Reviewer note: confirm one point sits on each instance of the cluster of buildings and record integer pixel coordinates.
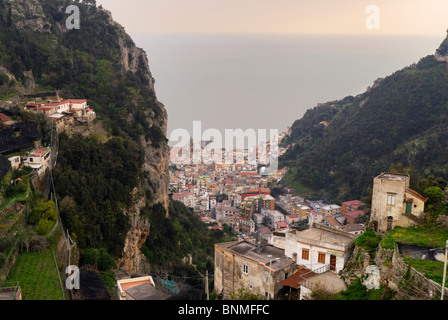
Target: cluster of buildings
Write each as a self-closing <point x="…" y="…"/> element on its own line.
<point x="350" y="216"/>
<point x="299" y="261"/>
<point x="61" y="112"/>
<point x="286" y="245"/>
<point x="237" y="194"/>
<point x="64" y="112"/>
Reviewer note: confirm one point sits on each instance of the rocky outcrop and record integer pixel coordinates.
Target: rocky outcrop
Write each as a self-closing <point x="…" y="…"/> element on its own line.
<point x="442" y="52"/>
<point x="132" y="57"/>
<point x="156" y="164"/>
<point x="49" y="16"/>
<point x="29" y="14"/>
<point x="156" y="168"/>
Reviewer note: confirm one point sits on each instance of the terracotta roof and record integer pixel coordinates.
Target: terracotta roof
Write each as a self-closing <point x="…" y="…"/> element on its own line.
<point x="355" y="214"/>
<point x="416" y="194"/>
<point x="75" y="100"/>
<point x="298" y="277"/>
<point x="353" y="203"/>
<point x="182" y="195"/>
<point x="4" y="117"/>
<point x="249" y="173"/>
<point x="39" y="152"/>
<point x="333" y="221"/>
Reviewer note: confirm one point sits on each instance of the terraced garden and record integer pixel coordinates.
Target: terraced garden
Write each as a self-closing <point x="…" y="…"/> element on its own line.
<point x="37" y="274"/>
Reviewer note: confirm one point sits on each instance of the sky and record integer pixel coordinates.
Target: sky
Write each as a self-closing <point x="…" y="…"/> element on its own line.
<point x="414" y="17"/>
<point x="202" y="50"/>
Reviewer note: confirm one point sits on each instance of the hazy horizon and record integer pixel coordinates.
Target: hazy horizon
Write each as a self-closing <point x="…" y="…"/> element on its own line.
<point x="261" y="64"/>
<point x="231" y="81"/>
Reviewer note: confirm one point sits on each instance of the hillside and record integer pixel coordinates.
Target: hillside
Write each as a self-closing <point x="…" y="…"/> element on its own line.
<point x="399" y="119"/>
<point x="103" y="179"/>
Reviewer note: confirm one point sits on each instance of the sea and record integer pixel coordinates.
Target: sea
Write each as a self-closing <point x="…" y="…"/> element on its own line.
<point x="267" y="81"/>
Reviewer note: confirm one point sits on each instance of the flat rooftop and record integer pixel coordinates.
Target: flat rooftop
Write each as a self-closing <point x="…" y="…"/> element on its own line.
<point x="393" y="176"/>
<point x="319" y="233"/>
<point x="263" y="254"/>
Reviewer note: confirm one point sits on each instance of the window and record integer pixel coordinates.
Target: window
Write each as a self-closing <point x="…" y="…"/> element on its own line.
<point x="390" y="199"/>
<point x="305" y="254"/>
<point x="321" y="257"/>
<point x="245" y="269"/>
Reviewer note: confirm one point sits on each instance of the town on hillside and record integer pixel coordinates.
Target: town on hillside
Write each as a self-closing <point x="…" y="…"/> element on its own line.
<point x="287" y="246"/>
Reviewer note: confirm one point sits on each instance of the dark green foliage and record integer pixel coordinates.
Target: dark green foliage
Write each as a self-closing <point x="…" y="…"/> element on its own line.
<point x="5" y="243"/>
<point x="43" y="210"/>
<point x="402" y="119"/>
<point x="173" y="238"/>
<point x="357" y="291"/>
<point x="98" y="258"/>
<point x="84" y="63"/>
<point x="443" y="49"/>
<point x="368" y="241"/>
<point x="100" y="179"/>
<point x="435" y="195"/>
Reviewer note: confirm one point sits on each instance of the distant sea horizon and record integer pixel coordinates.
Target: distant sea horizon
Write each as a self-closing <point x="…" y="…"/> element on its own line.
<point x="267" y="81"/>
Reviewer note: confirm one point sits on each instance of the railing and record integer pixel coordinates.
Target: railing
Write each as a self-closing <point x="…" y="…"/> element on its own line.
<point x="308" y="283"/>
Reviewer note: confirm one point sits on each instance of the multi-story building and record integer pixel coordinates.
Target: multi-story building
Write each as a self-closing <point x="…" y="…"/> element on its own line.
<point x="353" y="205"/>
<point x="331" y="210"/>
<point x="394" y="203"/>
<point x="320" y="246"/>
<point x="255" y="268"/>
<point x="38" y="159"/>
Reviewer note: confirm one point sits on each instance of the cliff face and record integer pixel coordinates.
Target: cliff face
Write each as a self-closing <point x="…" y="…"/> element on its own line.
<point x="156" y="166"/>
<point x="442" y="52"/>
<point x="99" y="62"/>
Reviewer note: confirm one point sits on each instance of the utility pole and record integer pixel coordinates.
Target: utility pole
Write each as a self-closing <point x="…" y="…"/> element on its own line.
<point x="206" y="285"/>
<point x="444" y="270"/>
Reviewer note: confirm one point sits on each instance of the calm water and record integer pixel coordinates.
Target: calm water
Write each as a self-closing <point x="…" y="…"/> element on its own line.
<point x="267" y="81"/>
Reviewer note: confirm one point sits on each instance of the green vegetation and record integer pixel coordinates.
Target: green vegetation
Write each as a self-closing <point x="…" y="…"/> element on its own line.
<point x="99" y="259"/>
<point x="178" y="236"/>
<point x="435" y="195"/>
<point x="37" y="274"/>
<point x="430" y="269"/>
<point x="417" y="235"/>
<point x="358" y="291"/>
<point x="94" y="182"/>
<point x="244" y="294"/>
<point x="44" y="215"/>
<point x="369" y="241"/>
<point x="402" y="119"/>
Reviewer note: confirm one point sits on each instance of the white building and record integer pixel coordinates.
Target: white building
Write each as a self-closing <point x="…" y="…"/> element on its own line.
<point x="38" y="159"/>
<point x="320" y="246"/>
<point x="186" y="197"/>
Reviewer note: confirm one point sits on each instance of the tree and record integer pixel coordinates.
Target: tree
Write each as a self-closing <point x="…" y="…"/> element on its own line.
<point x="44" y="226"/>
<point x="435" y="195"/>
<point x="244" y="294"/>
<point x="44" y="210"/>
